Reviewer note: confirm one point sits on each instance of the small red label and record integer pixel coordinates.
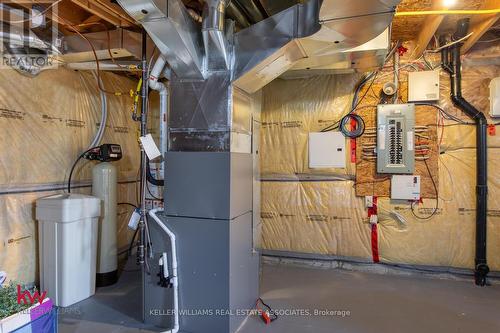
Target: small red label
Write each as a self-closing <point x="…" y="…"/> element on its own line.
<point x="492" y="130"/>
<point x="354" y="124"/>
<point x="353" y="150"/>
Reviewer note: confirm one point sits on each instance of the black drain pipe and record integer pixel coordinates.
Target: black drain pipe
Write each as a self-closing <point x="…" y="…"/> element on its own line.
<point x="452" y="64"/>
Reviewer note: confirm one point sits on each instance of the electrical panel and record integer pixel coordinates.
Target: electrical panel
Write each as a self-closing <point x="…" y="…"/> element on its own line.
<point x="404" y="187"/>
<point x="396" y="138"/>
<point x="327" y="150"/>
<point x="423" y="86"/>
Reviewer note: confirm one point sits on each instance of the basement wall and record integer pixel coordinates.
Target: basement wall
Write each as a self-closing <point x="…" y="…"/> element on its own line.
<point x="313" y="211"/>
<point x="45" y="123"/>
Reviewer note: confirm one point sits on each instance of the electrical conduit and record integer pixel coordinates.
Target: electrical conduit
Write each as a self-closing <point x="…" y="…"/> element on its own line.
<point x="175" y="281"/>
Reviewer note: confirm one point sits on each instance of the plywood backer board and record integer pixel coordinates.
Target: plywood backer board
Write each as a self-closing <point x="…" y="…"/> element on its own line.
<point x="368" y="182"/>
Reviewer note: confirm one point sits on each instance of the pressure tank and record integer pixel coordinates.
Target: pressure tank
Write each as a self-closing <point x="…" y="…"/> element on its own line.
<point x="104" y="183"/>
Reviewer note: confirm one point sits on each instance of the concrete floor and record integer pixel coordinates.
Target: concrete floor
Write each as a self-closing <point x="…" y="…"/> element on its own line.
<point x="365" y="303"/>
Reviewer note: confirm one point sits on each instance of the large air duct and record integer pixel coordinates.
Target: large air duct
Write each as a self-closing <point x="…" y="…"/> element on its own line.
<point x="24" y="50"/>
<point x="214" y="38"/>
<point x="173" y="31"/>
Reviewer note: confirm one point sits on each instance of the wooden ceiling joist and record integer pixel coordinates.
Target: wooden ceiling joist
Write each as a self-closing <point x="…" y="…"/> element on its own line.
<point x="105" y="11"/>
<point x="481" y="23"/>
<point x="429" y="27"/>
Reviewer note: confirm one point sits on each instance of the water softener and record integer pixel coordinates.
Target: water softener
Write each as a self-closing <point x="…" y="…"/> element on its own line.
<point x="104" y="187"/>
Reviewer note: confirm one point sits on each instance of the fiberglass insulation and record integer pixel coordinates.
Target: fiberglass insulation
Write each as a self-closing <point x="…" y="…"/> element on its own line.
<point x="45" y="122"/>
<point x="313" y="212"/>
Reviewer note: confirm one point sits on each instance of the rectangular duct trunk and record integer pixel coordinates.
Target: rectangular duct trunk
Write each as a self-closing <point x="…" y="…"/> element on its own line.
<point x="209" y="115"/>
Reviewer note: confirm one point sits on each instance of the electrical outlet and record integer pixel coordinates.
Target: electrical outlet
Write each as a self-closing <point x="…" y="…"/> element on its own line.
<point x="369" y="201"/>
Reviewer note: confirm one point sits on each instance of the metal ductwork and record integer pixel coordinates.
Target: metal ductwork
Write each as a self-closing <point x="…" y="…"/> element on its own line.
<point x="234" y="12"/>
<point x="271" y="47"/>
<point x="173" y="31"/>
<point x="354" y="36"/>
<point x="263" y="47"/>
<point x="27" y="48"/>
<point x="26" y="52"/>
<point x="322" y="36"/>
<point x="251" y="10"/>
<point x="214" y="38"/>
<point x="209" y="179"/>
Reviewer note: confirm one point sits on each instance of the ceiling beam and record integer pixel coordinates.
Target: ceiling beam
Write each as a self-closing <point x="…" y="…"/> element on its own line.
<point x="62" y="10"/>
<point x="92" y="19"/>
<point x="63" y="14"/>
<point x="106" y="12"/>
<point x="479" y="24"/>
<point x="429" y="27"/>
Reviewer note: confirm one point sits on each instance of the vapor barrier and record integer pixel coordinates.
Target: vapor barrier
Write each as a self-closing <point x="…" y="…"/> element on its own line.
<point x="315" y="212"/>
<point x="45" y="123"/>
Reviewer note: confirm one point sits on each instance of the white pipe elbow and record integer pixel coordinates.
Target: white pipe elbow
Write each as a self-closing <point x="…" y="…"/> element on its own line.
<point x="156" y="73"/>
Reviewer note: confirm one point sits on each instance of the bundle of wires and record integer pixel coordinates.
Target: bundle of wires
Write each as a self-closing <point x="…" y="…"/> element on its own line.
<point x="356" y="130"/>
<point x="436" y="208"/>
<point x="82" y="155"/>
<point x="265" y="312"/>
<point x="355" y="102"/>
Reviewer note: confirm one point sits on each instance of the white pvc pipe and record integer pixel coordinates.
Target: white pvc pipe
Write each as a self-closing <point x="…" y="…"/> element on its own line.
<point x="156" y="73"/>
<point x="175" y="282"/>
<point x="163" y="121"/>
<point x="154" y="84"/>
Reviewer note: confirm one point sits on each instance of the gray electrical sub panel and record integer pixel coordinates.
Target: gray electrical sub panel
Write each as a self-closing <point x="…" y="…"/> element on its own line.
<point x="396" y="138"/>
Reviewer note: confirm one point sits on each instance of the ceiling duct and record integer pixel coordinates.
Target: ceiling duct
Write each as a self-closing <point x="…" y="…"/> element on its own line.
<point x="214" y="38"/>
<point x="235" y="13"/>
<point x="354" y="36"/>
<point x="269" y="48"/>
<point x="25" y="51"/>
<point x="27" y="47"/>
<point x="328" y="35"/>
<point x="251" y="9"/>
<point x="211" y="65"/>
<point x="258" y="50"/>
<point x="275" y="6"/>
<point x="174" y="32"/>
<point x="122" y="44"/>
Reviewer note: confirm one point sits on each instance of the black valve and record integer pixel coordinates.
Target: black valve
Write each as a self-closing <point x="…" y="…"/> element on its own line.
<point x="104" y="153"/>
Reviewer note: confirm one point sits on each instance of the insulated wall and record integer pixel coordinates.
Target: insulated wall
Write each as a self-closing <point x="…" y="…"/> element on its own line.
<point x="45" y="123"/>
<point x="315" y="212"/>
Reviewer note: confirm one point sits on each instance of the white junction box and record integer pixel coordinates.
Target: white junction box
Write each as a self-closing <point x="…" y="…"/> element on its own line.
<point x="423" y="86"/>
<point x="405" y="187"/>
<point x="495" y="97"/>
<point x="327" y="150"/>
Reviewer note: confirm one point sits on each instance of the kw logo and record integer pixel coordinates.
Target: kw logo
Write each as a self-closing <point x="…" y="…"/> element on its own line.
<point x="32" y="299"/>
